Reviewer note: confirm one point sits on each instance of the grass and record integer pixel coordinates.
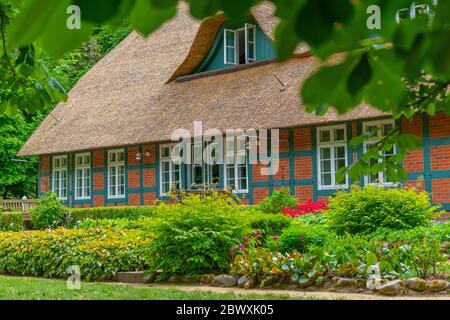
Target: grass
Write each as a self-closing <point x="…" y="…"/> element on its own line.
<point x="18" y="288"/>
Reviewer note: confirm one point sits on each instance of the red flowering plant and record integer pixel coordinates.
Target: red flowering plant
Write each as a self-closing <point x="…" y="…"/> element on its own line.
<point x="305" y="208"/>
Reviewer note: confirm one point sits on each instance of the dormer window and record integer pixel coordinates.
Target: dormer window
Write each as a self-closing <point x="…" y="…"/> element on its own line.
<point x="240" y="45"/>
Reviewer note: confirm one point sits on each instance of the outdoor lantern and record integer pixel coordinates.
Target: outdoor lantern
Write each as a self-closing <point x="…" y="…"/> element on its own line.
<point x="139" y="156"/>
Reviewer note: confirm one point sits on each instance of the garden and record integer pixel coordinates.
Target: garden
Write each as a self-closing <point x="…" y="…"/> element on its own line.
<point x="366" y="240"/>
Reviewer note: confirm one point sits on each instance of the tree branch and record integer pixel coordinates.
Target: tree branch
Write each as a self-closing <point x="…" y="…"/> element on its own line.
<point x="5" y="51"/>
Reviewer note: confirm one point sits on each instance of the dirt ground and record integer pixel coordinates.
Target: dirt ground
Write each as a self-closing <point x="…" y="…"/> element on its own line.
<point x="295" y="294"/>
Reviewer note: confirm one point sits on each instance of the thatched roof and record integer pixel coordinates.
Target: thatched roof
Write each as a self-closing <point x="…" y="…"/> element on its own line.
<point x="130" y="97"/>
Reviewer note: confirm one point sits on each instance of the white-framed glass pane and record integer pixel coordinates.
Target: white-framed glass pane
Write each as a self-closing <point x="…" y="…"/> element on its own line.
<point x="339" y="134"/>
<point x="324" y="136"/>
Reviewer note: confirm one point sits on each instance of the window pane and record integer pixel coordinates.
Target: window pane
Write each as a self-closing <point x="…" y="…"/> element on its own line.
<point x="339" y="134"/>
<point x="325" y="136"/>
<point x="325" y="153"/>
<point x="339" y="152"/>
<point x="112" y="157"/>
<point x="326" y="179"/>
<point x="230" y="55"/>
<point x="387" y="128"/>
<point x="230" y="38"/>
<point x="325" y="166"/>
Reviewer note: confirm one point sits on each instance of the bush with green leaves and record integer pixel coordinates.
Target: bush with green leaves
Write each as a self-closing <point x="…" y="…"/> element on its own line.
<point x="142" y="223"/>
<point x="99" y="253"/>
<point x="437" y="231"/>
<point x="11" y="221"/>
<point x="49" y="213"/>
<point x="299" y="236"/>
<point x="131" y="213"/>
<point x="278" y="201"/>
<point x="364" y="210"/>
<point x="195" y="236"/>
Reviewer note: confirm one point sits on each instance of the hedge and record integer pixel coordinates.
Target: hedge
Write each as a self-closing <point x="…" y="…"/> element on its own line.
<point x="99" y="253"/>
<point x="11" y="221"/>
<point x="132" y="213"/>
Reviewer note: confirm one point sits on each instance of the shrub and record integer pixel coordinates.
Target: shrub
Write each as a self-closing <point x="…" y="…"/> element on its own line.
<point x="195" y="236"/>
<point x="12" y="221"/>
<point x="131" y="213"/>
<point x="143" y="223"/>
<point x="99" y="253"/>
<point x="300" y="236"/>
<point x="437" y="231"/>
<point x="363" y="210"/>
<point x="278" y="201"/>
<point x="49" y="213"/>
<point x="308" y="207"/>
<point x="269" y="224"/>
<point x="313" y="219"/>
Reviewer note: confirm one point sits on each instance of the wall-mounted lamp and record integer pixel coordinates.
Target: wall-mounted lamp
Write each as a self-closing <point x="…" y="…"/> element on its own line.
<point x="139" y="156"/>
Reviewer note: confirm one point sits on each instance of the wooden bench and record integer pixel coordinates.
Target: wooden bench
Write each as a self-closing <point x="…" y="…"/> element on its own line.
<point x="22" y="206"/>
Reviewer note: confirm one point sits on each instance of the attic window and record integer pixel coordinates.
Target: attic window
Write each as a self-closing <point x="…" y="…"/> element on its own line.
<point x="240" y="45"/>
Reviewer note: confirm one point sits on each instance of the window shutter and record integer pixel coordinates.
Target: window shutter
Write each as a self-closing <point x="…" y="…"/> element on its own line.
<point x="229" y="46"/>
<point x="250" y="43"/>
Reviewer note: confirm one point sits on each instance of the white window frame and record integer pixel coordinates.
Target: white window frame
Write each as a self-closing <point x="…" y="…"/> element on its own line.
<point x="381" y="175"/>
<point x="226" y="46"/>
<point x="60" y="169"/>
<point x="237" y="152"/>
<point x="171" y="168"/>
<point x="247" y="28"/>
<point x="332" y="144"/>
<point x="236" y="48"/>
<point x="84" y="177"/>
<point x="116" y="164"/>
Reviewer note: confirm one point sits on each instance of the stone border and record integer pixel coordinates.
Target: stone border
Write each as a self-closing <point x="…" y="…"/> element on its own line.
<point x="409" y="287"/>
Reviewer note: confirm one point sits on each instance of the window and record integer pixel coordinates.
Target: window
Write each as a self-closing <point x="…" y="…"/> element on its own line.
<point x="116" y="174"/>
<point x="170" y="175"/>
<point x="82" y="176"/>
<point x="379" y="129"/>
<point x="205" y="173"/>
<point x="415" y="10"/>
<point x="230" y="46"/>
<point x="236" y="171"/>
<point x="60" y="176"/>
<point x="332" y="155"/>
<point x="240" y="45"/>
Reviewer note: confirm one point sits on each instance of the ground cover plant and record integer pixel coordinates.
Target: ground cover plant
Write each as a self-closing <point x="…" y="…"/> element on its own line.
<point x="99" y="253"/>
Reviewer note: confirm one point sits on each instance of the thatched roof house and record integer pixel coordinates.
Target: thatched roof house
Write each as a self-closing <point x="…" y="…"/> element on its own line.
<point x="144" y="89"/>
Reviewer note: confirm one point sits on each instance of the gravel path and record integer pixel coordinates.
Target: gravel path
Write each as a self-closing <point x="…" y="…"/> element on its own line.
<point x="295" y="294"/>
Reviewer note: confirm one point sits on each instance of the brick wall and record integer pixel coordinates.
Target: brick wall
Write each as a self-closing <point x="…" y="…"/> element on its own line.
<point x="283" y="170"/>
<point x="414" y="160"/>
<point x="303" y="168"/>
<point x="259" y="194"/>
<point x="303" y="193"/>
<point x="302" y="139"/>
<point x="440" y="126"/>
<point x="440" y="157"/>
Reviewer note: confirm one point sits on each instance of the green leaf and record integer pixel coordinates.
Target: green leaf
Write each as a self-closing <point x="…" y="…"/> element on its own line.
<point x="201" y="9"/>
<point x="337" y="10"/>
<point x="360" y="75"/>
<point x="99" y="11"/>
<point x="371" y="258"/>
<point x="286" y="40"/>
<point x="147" y="19"/>
<point x="328" y="86"/>
<point x="237" y="9"/>
<point x="312" y="24"/>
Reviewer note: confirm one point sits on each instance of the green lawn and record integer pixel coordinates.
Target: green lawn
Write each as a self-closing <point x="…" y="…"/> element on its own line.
<point x="15" y="288"/>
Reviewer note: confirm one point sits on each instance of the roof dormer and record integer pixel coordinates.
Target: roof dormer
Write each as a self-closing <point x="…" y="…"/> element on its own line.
<point x="237" y="43"/>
